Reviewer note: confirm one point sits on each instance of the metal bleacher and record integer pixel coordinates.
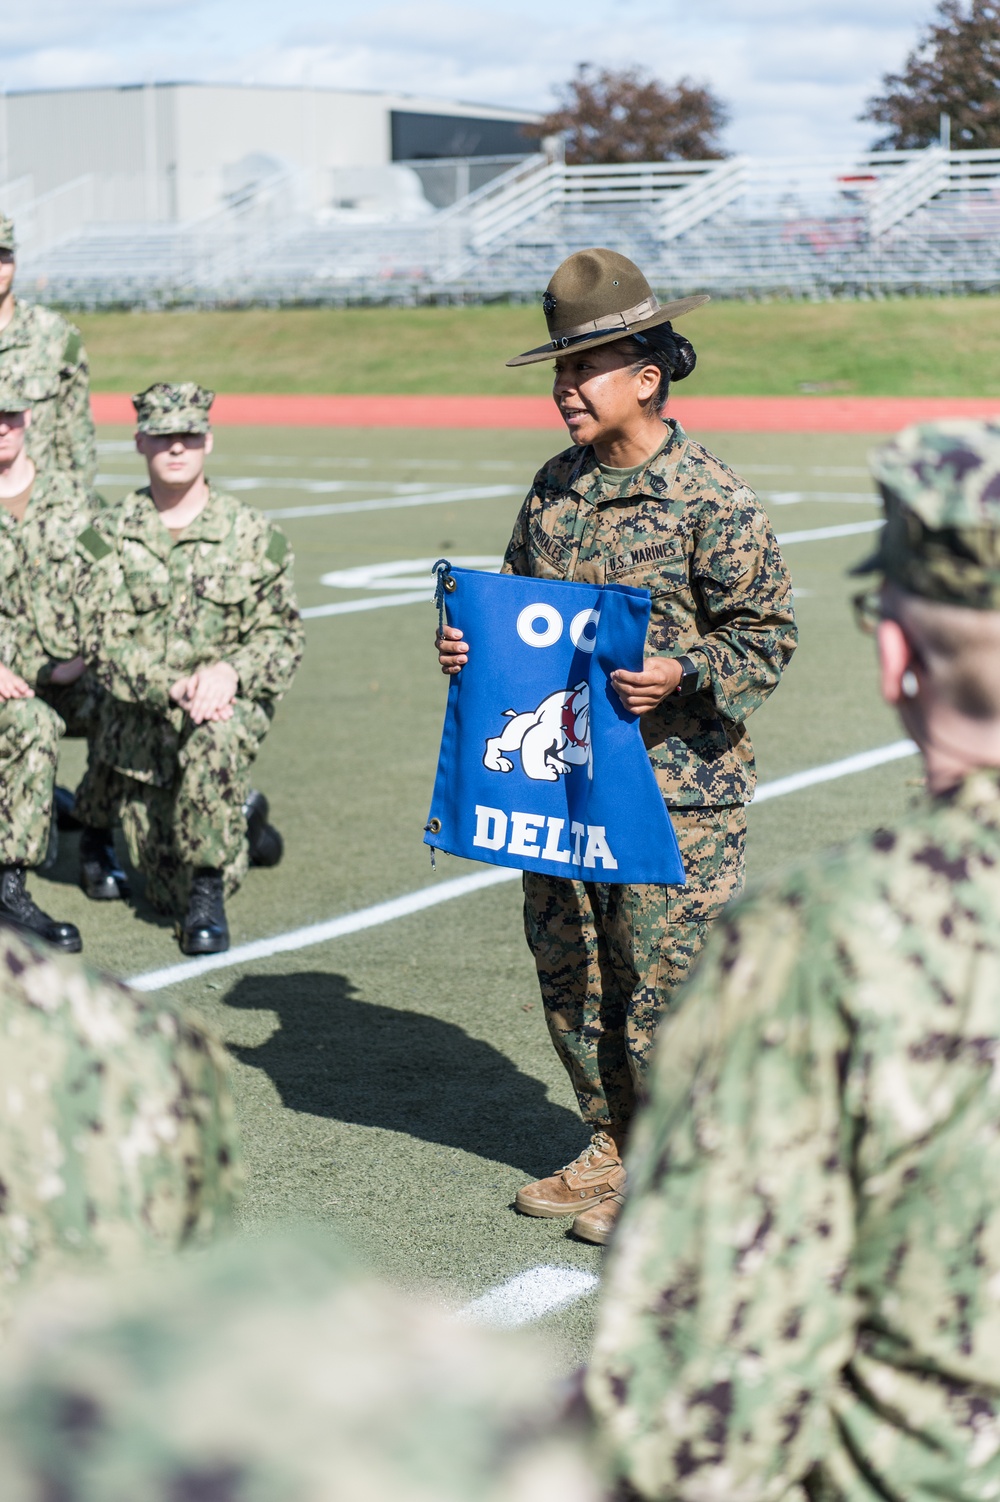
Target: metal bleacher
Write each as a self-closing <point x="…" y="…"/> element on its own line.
<point x="873" y="224"/>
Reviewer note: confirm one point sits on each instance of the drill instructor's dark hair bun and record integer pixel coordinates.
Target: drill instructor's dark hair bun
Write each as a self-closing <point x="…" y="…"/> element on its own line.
<point x="664" y="347"/>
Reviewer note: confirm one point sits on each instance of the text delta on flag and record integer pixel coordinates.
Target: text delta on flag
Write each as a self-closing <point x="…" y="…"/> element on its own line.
<point x="541" y="766"/>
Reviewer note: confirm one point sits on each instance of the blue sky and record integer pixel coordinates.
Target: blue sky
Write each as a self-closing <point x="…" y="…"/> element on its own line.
<point x="795" y="72"/>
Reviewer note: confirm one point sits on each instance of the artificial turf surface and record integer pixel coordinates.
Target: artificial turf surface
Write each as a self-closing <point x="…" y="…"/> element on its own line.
<point x="894" y="347"/>
<point x="397" y="1085"/>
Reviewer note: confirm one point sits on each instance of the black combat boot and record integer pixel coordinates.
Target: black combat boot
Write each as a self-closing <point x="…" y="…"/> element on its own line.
<point x="17" y="909"/>
<point x="204" y="930"/>
<point x="101" y="874"/>
<point x="266" y="845"/>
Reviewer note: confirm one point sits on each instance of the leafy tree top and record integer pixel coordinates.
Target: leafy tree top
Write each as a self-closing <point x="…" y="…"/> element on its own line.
<point x="954" y="70"/>
<point x="627" y="115"/>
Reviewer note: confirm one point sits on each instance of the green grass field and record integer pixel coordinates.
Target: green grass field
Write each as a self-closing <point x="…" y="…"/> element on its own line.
<point x="397" y="1085"/>
<point x="902" y="347"/>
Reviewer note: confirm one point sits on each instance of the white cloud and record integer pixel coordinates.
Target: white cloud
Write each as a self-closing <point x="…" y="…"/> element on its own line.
<point x="795" y="72"/>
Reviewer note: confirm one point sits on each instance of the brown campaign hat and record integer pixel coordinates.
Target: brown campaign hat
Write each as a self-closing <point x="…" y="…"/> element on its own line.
<point x="595" y="297"/>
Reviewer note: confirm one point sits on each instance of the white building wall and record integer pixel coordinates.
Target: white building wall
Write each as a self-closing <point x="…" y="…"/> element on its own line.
<point x="173" y="151"/>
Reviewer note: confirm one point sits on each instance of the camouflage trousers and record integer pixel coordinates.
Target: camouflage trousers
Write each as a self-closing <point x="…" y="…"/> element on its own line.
<point x="29" y="750"/>
<point x="196" y="819"/>
<point x="79" y="705"/>
<point x="610" y="959"/>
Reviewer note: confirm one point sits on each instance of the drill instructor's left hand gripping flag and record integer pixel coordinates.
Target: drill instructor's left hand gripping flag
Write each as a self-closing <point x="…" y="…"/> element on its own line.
<point x="541" y="766"/>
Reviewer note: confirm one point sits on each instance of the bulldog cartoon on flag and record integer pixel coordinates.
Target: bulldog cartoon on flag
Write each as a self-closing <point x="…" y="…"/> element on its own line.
<point x="552" y="739"/>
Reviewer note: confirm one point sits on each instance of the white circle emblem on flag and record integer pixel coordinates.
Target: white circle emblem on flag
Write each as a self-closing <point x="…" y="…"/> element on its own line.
<point x="531" y="617"/>
<point x="578" y="627"/>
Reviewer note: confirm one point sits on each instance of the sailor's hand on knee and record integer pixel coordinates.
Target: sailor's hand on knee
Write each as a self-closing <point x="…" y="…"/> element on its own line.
<point x="68" y="672"/>
<point x="641" y="692"/>
<point x="453" y="652"/>
<point x="13" y="687"/>
<point x="214" y="689"/>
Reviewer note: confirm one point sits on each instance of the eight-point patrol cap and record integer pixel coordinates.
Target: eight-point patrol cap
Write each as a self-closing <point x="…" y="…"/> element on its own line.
<point x="12" y="397"/>
<point x="940" y="482"/>
<point x="7" y="240"/>
<point x="173" y="408"/>
<point x="595" y="297"/>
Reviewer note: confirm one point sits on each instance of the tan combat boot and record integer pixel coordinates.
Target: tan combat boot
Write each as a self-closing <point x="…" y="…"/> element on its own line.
<point x="597" y="1223"/>
<point x="590" y="1178"/>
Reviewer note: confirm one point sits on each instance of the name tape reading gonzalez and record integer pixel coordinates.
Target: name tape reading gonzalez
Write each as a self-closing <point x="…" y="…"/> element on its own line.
<point x="541" y="766"/>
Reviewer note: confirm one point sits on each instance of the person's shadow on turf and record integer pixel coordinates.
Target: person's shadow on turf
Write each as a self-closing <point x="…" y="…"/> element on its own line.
<point x="334" y="1055"/>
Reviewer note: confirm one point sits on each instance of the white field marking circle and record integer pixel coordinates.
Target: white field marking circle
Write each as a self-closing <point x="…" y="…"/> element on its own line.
<point x="578" y="625"/>
<point x="412" y="572"/>
<point x="528" y="620"/>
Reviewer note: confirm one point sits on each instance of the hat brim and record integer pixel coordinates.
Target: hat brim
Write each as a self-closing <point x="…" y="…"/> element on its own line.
<point x="168" y="429"/>
<point x="663" y="314"/>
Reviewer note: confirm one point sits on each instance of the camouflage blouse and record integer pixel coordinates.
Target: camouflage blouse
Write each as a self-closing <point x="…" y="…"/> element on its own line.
<point x="804" y="1299"/>
<point x="154" y="609"/>
<point x="40" y="573"/>
<point x="688" y="530"/>
<point x="45" y="356"/>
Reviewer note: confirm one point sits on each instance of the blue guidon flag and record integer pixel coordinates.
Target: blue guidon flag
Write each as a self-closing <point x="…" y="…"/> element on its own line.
<point x="541" y="766"/>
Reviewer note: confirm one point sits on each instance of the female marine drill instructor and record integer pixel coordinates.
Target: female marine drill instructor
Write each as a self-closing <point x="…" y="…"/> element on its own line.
<point x="635" y="501"/>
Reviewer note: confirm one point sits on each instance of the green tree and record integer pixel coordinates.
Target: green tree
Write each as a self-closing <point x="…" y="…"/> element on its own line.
<point x="627" y="115"/>
<point x="954" y="70"/>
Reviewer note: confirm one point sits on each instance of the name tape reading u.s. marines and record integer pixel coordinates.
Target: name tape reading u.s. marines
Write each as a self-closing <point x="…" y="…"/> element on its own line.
<point x="541" y="766"/>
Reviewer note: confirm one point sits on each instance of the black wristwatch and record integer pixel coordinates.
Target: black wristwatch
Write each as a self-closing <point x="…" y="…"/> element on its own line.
<point x="689" y="678"/>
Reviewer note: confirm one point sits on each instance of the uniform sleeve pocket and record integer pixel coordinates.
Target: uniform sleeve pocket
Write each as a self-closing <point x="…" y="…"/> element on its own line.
<point x="724" y="569"/>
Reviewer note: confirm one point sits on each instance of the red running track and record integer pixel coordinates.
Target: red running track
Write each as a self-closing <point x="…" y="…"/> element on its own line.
<point x="727" y="414"/>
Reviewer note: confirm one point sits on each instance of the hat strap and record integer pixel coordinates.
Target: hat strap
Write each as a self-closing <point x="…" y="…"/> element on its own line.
<point x="623" y="320"/>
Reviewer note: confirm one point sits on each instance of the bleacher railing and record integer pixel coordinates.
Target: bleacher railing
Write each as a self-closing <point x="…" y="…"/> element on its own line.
<point x="875" y="221"/>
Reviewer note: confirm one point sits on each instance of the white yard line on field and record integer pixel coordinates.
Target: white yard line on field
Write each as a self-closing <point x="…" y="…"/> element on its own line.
<point x="320" y="933"/>
<point x="403" y="495"/>
<point x="795" y="497"/>
<point x="348" y="607"/>
<point x="462" y="886"/>
<point x="863" y="762"/>
<point x="312" y="487"/>
<point x="397" y="502"/>
<point x="824" y="534"/>
<point x="528" y="1297"/>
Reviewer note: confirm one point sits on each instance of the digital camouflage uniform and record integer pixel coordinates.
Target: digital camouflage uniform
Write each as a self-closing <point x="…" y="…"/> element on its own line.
<point x="44" y="355"/>
<point x="40" y="570"/>
<point x="116" y="1133"/>
<point x="273" y="1372"/>
<point x="154" y="610"/>
<point x="804" y="1299"/>
<point x="610" y="958"/>
<point x="29" y="729"/>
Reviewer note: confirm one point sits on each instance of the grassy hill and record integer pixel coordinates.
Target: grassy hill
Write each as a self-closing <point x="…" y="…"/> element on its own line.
<point x="904" y="347"/>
